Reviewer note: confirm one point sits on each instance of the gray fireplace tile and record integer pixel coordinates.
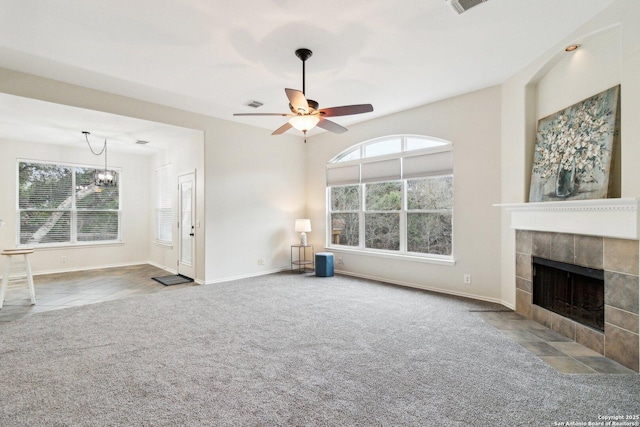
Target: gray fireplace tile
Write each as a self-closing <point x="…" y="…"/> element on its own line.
<point x="523" y="284"/>
<point x="549" y="335"/>
<point x="604" y="365"/>
<point x="542" y="316"/>
<point x="523" y="266"/>
<point x="574" y="349"/>
<point x="589" y="251"/>
<point x="621" y="256"/>
<point x="622" y="319"/>
<point x="541" y="349"/>
<point x="564" y="326"/>
<point x="521" y="336"/>
<point x="524" y="241"/>
<point x="622" y="346"/>
<point x="590" y="338"/>
<point x="562" y="247"/>
<point x="523" y="303"/>
<point x="621" y="291"/>
<point x="541" y="245"/>
<point x="567" y="365"/>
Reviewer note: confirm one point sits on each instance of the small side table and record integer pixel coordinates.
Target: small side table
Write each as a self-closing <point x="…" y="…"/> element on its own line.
<point x="303" y="262"/>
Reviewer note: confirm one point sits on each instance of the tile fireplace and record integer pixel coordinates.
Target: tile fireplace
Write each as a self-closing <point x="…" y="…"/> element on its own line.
<point x="599" y="238"/>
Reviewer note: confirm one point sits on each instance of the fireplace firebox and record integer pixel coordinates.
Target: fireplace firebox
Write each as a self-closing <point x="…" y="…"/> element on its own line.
<point x="570" y="290"/>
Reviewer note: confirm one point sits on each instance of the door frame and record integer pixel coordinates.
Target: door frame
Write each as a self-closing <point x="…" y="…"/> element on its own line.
<point x="187" y="269"/>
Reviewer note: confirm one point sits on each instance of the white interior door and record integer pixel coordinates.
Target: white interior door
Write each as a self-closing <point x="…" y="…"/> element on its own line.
<point x="186" y="224"/>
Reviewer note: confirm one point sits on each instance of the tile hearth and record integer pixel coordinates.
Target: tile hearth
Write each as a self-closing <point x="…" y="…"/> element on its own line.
<point x="559" y="352"/>
<point x="618" y="258"/>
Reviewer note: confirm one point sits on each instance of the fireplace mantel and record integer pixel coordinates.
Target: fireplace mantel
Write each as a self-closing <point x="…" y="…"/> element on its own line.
<point x="616" y="218"/>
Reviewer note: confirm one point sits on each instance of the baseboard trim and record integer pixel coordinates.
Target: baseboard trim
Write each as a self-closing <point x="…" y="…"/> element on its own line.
<point x="246" y="276"/>
<point x="426" y="288"/>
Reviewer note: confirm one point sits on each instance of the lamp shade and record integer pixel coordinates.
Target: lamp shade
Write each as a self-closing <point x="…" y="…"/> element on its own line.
<point x="303" y="225"/>
<point x="304" y="122"/>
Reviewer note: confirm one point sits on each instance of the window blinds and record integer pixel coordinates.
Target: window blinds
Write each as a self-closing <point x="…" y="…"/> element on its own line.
<point x="164" y="211"/>
<point x="343" y="175"/>
<point x="385" y="170"/>
<point x="428" y="165"/>
<point x="424" y="165"/>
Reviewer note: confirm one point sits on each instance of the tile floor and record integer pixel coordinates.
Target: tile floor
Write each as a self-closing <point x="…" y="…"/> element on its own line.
<point x="62" y="290"/>
<point x="556" y="350"/>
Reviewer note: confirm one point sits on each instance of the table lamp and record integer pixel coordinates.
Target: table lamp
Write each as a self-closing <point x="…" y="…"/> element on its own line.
<point x="302" y="226"/>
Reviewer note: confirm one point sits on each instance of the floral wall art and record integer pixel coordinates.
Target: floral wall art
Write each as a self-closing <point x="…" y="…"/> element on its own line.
<point x="574" y="150"/>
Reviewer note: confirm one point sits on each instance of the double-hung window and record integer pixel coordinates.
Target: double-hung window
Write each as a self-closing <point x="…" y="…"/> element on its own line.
<point x="393" y="195"/>
<point x="61" y="204"/>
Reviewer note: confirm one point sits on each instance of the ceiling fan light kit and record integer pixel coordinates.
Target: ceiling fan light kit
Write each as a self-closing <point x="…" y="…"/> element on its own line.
<point x="305" y="113"/>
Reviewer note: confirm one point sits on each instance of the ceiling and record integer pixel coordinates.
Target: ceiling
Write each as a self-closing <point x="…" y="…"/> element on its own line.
<point x="214" y="56"/>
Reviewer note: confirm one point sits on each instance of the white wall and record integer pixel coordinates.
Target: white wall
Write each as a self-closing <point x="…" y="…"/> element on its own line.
<point x="472" y="123"/>
<point x="250" y="191"/>
<point x="181" y="157"/>
<point x="610" y="54"/>
<point x="134" y="181"/>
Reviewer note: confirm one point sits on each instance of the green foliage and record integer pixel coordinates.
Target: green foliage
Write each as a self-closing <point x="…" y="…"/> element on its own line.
<point x="384" y="196"/>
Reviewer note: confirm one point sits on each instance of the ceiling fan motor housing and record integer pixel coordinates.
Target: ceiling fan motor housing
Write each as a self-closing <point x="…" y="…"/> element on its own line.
<point x="303" y="54"/>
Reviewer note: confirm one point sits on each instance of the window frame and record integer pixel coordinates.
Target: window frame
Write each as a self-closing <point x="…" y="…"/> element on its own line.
<point x="440" y="146"/>
<point x="73" y="210"/>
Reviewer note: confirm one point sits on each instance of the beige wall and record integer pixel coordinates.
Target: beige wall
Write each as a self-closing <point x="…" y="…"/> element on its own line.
<point x="472" y="123"/>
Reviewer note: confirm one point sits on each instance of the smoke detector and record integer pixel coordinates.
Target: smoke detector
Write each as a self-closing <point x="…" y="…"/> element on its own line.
<point x="463" y="5"/>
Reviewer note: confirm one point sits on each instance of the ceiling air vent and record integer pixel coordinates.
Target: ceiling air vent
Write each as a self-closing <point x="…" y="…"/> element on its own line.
<point x="254" y="104"/>
<point x="463" y="5"/>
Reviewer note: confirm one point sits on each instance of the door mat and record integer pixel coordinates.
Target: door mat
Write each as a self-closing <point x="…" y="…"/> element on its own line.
<point x="176" y="279"/>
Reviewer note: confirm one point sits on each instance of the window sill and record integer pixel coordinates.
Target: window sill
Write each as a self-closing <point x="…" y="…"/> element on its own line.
<point x="71" y="245"/>
<point x="163" y="244"/>
<point x="400" y="257"/>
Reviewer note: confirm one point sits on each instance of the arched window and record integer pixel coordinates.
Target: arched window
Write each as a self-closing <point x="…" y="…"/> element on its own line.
<point x="392" y="195"/>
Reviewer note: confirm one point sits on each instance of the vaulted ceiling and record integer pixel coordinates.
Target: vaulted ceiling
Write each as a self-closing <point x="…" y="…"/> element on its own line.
<point x="214" y="56"/>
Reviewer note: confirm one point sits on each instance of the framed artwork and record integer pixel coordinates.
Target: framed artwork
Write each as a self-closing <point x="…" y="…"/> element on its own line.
<point x="574" y="150"/>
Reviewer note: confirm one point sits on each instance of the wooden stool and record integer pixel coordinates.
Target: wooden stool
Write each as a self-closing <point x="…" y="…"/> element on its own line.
<point x="17" y="274"/>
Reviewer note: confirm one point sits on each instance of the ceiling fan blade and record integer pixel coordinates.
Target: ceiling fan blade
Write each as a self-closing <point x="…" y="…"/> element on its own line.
<point x="297" y="100"/>
<point x="331" y="126"/>
<point x="282" y="129"/>
<point x="346" y="110"/>
<point x="263" y="114"/>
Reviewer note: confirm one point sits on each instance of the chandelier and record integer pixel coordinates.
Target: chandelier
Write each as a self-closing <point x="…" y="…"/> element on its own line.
<point x="106" y="177"/>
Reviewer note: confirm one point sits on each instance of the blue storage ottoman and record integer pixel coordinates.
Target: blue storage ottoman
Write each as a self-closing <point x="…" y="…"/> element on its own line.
<point x="324" y="264"/>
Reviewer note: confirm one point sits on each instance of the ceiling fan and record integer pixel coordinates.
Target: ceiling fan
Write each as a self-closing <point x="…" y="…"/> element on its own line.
<point x="305" y="113"/>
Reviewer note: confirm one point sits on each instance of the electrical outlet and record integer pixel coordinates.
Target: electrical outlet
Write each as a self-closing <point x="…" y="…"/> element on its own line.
<point x="260" y="261"/>
<point x="467" y="279"/>
<point x="64" y="258"/>
<point x="340" y="262"/>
